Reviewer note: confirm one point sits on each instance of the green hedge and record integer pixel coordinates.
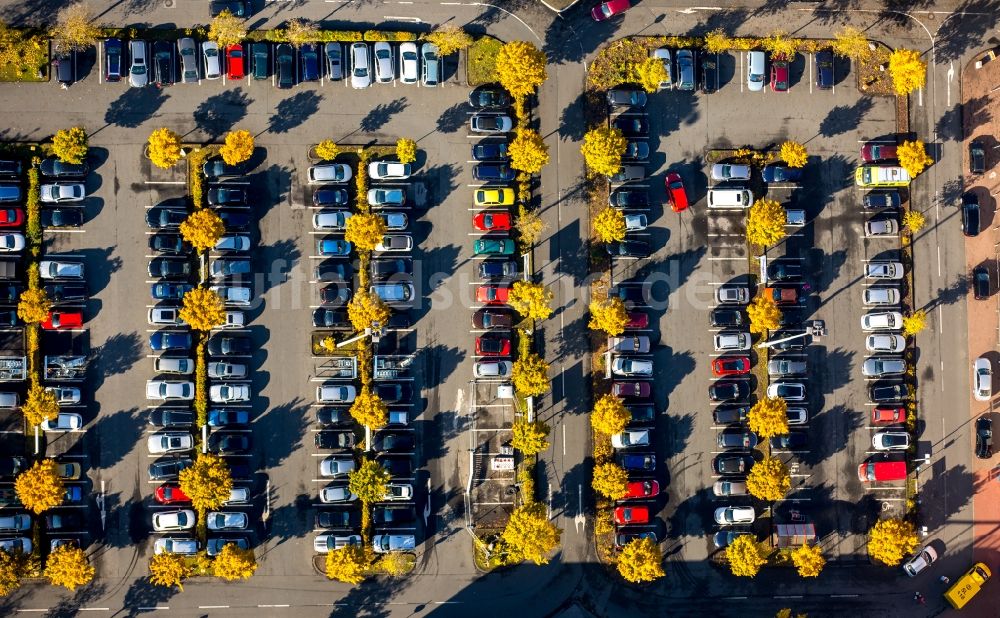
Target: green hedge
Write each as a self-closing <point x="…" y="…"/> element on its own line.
<point x="201" y="382"/>
<point x="389" y="35"/>
<point x="33" y="212"/>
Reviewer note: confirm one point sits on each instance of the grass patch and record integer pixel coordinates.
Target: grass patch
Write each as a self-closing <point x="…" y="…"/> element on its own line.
<point x="483" y="61"/>
<point x="31" y="47"/>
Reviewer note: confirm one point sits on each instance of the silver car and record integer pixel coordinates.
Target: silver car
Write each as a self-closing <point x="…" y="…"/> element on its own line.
<point x="62" y="192"/>
<point x="685" y="70"/>
<point x="361" y="66"/>
<point x="212" y="60"/>
<point x="725" y="171"/>
<point x="431" y="74"/>
<point x="877" y="366"/>
<point x="189" y="60"/>
<point x="334" y="61"/>
<point x="384" y="63"/>
<point x="138" y="72"/>
<point x="408" y="63"/>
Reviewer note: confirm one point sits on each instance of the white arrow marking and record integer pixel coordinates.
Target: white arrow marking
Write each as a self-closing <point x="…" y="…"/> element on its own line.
<point x="692" y="9"/>
<point x="579" y="520"/>
<point x="951" y="76"/>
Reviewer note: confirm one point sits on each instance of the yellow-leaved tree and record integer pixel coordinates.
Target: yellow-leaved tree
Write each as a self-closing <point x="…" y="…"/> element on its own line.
<point x="610" y="480"/>
<point x="238" y="147"/>
<point x="602" y="150"/>
<point x="780" y="44"/>
<point x="208" y="482"/>
<point x="369" y="482"/>
<point x="530" y="375"/>
<point x="651" y="73"/>
<point x="610" y="416"/>
<point x="746" y="556"/>
<point x="33" y="306"/>
<point x="766" y="223"/>
<point x="70" y="145"/>
<point x="348" y="564"/>
<point x="365" y="309"/>
<point x="528" y="152"/>
<point x="449" y="39"/>
<point x="915" y="323"/>
<point x="529" y="533"/>
<point x="717" y="41"/>
<point x="530" y="226"/>
<point x="531" y="300"/>
<point x="75" y="28"/>
<point x="202" y="309"/>
<point x="608" y="315"/>
<point x="406" y="150"/>
<point x="914" y="221"/>
<point x="67" y="566"/>
<point x="890" y="540"/>
<point x="299" y="31"/>
<point x="327" y="150"/>
<point x="530" y="438"/>
<point x="849" y="42"/>
<point x="202" y="229"/>
<point x="11" y="567"/>
<point x="907" y="69"/>
<point x="764" y="313"/>
<point x="234" y="563"/>
<point x="169" y="570"/>
<point x="609" y="225"/>
<point x="913" y="157"/>
<point x="365" y="230"/>
<point x="809" y="560"/>
<point x="520" y="68"/>
<point x="40" y="406"/>
<point x="39" y="488"/>
<point x="369" y="410"/>
<point x="769" y="479"/>
<point x="794" y="154"/>
<point x="641" y="561"/>
<point x="164" y="148"/>
<point x="769" y="417"/>
<point x="227" y="29"/>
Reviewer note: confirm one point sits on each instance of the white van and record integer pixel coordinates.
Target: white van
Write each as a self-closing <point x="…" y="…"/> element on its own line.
<point x="735" y="197"/>
<point x="755" y="71"/>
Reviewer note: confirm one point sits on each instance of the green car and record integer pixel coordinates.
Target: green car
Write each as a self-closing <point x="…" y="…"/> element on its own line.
<point x="493" y="247"/>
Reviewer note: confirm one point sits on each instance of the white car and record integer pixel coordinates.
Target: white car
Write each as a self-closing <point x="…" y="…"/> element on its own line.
<point x="229" y="371"/>
<point x="335" y="466"/>
<point x="54" y="269"/>
<point x="630" y="438"/>
<point x="409" y="63"/>
<point x="755" y="71"/>
<point x="727" y="515"/>
<point x="664" y="54"/>
<point x="891" y="441"/>
<point x="885" y="343"/>
<point x="331" y="220"/>
<point x="398" y="491"/>
<point x="212" y="59"/>
<point x="384" y="543"/>
<point x="324" y="543"/>
<point x="361" y="66"/>
<point x="226" y="520"/>
<point x="636" y="223"/>
<point x="229" y="393"/>
<point x="789" y="391"/>
<point x="385" y="70"/>
<point x="880" y="296"/>
<point x="233" y="294"/>
<point x="623" y="366"/>
<point x="336" y="394"/>
<point x="183" y="546"/>
<point x="238" y="495"/>
<point x="338" y="173"/>
<point x="982" y="379"/>
<point x="881" y="227"/>
<point x="395" y="242"/>
<point x="138" y="72"/>
<point x="189" y="60"/>
<point x="797" y="416"/>
<point x="732" y="295"/>
<point x="59" y="193"/>
<point x="173" y="364"/>
<point x="233" y="242"/>
<point x="878" y="366"/>
<point x="340" y="493"/>
<point x="389" y="170"/>
<point x="11" y="243"/>
<point x="731" y="341"/>
<point x="882" y="320"/>
<point x="920" y="561"/>
<point x="66" y="421"/>
<point x="169" y="442"/>
<point x="493" y="369"/>
<point x="234" y="319"/>
<point x="169" y="521"/>
<point x="884" y="270"/>
<point x="65" y="395"/>
<point x="169" y="390"/>
<point x="725" y="171"/>
<point x="164" y="316"/>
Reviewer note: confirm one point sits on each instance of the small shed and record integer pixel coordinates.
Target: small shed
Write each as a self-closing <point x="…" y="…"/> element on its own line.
<point x="794" y="535"/>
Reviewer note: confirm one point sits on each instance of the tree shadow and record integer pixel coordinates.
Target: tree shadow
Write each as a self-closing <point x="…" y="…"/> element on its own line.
<point x="117" y="434"/>
<point x="573" y="340"/>
<point x="897" y="11"/>
<point x="951" y="192"/>
<point x="693" y="516"/>
<point x="292" y="520"/>
<point x="681" y="365"/>
<point x="143" y="595"/>
<point x="495" y="13"/>
<point x="219" y="113"/>
<point x="969" y="116"/>
<point x="678" y="431"/>
<point x="945" y="492"/>
<point x="569" y="252"/>
<point x="824" y="269"/>
<point x="844" y="118"/>
<point x="829" y="432"/>
<point x="100" y="266"/>
<point x="442" y="180"/>
<point x="381" y="114"/>
<point x="134" y="107"/>
<point x="836" y="373"/>
<point x="575" y="36"/>
<point x="453" y="118"/>
<point x="81" y="596"/>
<point x="957" y="36"/>
<point x="293" y="111"/>
<point x="115" y="356"/>
<point x="770" y="7"/>
<point x="274" y="262"/>
<point x="438" y="362"/>
<point x="955" y="292"/>
<point x="285" y="426"/>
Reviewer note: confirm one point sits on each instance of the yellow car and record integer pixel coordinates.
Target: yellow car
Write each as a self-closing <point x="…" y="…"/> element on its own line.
<point x="881" y="176"/>
<point x="494" y="197"/>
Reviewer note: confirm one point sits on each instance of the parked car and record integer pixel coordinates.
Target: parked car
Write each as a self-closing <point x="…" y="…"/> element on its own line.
<point x="824" y="69"/>
<point x="875" y="152"/>
<point x="630" y="438"/>
<point x="755" y="71"/>
<point x="284" y="65"/>
<point x="882" y="392"/>
<point x="882" y="320"/>
<point x="309" y="62"/>
<point x="260" y="56"/>
<point x="981" y="285"/>
<point x="970" y="214"/>
<point x="791" y="440"/>
<point x="334" y="61"/>
<point x="725" y="390"/>
<point x="924" y="557"/>
<point x="491" y="123"/>
<point x="138" y="72"/>
<point x="235" y="62"/>
<point x="385" y="60"/>
<point x="888" y="415"/>
<point x="977" y="157"/>
<point x="880" y="366"/>
<point x="189" y="61"/>
<point x="737" y="438"/>
<point x="789" y="391"/>
<point x="984" y="437"/>
<point x="728" y="515"/>
<point x="212" y="59"/>
<point x="874" y="296"/>
<point x="982" y="379"/>
<point x="730" y="341"/>
<point x="430" y="65"/>
<point x="361" y="68"/>
<point x="889" y="200"/>
<point x="730" y="415"/>
<point x="622" y="97"/>
<point x="226" y="520"/>
<point x="779" y="75"/>
<point x="663" y="54"/>
<point x="877" y="269"/>
<point x="891" y="441"/>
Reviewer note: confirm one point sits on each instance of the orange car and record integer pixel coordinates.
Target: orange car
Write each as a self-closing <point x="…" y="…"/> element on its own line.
<point x="783" y="296"/>
<point x="492" y="294"/>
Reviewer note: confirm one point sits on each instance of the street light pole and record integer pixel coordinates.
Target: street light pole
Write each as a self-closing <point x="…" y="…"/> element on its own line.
<point x="816" y="329"/>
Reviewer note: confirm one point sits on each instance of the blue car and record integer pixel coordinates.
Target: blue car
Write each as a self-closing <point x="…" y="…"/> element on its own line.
<point x="309" y="58"/>
<point x="227" y="417"/>
<point x="334" y="247"/>
<point x="639" y="461"/>
<point x="493" y="172"/>
<point x="170" y="291"/>
<point x="74" y="495"/>
<point x="161" y="341"/>
<point x="490" y="151"/>
<point x="781" y="173"/>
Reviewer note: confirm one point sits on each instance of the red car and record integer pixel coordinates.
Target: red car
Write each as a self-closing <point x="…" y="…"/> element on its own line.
<point x="642" y="489"/>
<point x="878" y="151"/>
<point x="234" y="61"/>
<point x="783" y="296"/>
<point x="779" y="73"/>
<point x="625" y="515"/>
<point x="607" y="10"/>
<point x="490" y="345"/>
<point x="492" y="221"/>
<point x="631" y="389"/>
<point x="731" y="366"/>
<point x="637" y="319"/>
<point x="888" y="415"/>
<point x="170" y="494"/>
<point x="11" y="217"/>
<point x="675" y="192"/>
<point x="63" y="319"/>
<point x="492" y="294"/>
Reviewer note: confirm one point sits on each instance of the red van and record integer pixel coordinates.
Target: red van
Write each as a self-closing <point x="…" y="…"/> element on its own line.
<point x="882" y="471"/>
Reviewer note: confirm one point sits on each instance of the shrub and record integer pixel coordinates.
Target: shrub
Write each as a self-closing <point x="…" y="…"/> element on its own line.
<point x="70" y="145"/>
<point x="388" y="35"/>
<point x="33" y="230"/>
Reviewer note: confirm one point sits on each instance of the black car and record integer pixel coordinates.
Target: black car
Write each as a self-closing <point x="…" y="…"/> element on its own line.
<point x="725" y="390"/>
<point x="62" y="217"/>
<point x="330" y="318"/>
<point x="239" y="8"/>
<point x="10" y="292"/>
<point x="727" y="318"/>
<point x="309" y="62"/>
<point x="333" y="416"/>
<point x="221" y="195"/>
<point x="984" y="437"/>
<point x="229" y="345"/>
<point x="981" y="283"/>
<point x="396" y="466"/>
<point x="64" y="67"/>
<point x="888" y="393"/>
<point x="171" y="418"/>
<point x="334" y="440"/>
<point x="490" y="95"/>
<point x="632" y="126"/>
<point x="394" y="515"/>
<point x="65" y="521"/>
<point x="234" y="221"/>
<point x="784" y="271"/>
<point x="66" y="292"/>
<point x="737" y="438"/>
<point x="260" y="58"/>
<point x="626" y="97"/>
<point x="730" y="415"/>
<point x="732" y="463"/>
<point x="493" y="172"/>
<point x="790" y="440"/>
<point x="394" y="392"/>
<point x="388" y="267"/>
<point x="163" y="63"/>
<point x="977" y="157"/>
<point x="216" y="168"/>
<point x="166" y="243"/>
<point x="340" y="519"/>
<point x="12" y="466"/>
<point x="54" y="168"/>
<point x="333" y="270"/>
<point x="634" y="293"/>
<point x="630" y="198"/>
<point x="112" y="60"/>
<point x="497" y="269"/>
<point x="226" y="443"/>
<point x="724" y="538"/>
<point x="10" y="168"/>
<point x="169" y="268"/>
<point x="336" y="295"/>
<point x="492" y="318"/>
<point x="168" y="469"/>
<point x="709" y="73"/>
<point x="970" y="214"/>
<point x="629" y="248"/>
<point x="284" y="59"/>
<point x="8" y="318"/>
<point x="636" y="151"/>
<point x="169" y="218"/>
<point x="889" y="200"/>
<point x="330" y="196"/>
<point x="641" y="414"/>
<point x="490" y="151"/>
<point x="824" y="69"/>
